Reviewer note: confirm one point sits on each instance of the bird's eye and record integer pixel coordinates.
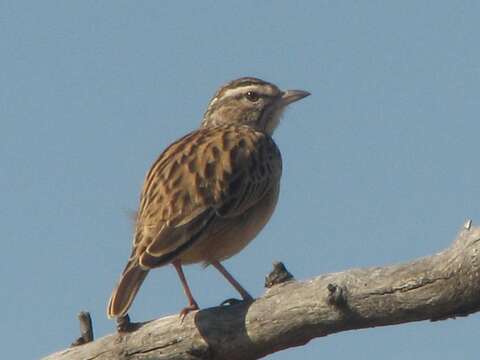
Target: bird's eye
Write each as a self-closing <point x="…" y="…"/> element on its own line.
<point x="252" y="96"/>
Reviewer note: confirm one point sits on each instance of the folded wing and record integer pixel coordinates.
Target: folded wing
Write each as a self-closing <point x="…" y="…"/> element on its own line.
<point x="210" y="173"/>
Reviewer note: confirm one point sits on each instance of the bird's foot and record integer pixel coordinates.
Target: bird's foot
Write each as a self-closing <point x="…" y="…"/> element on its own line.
<point x="192" y="307"/>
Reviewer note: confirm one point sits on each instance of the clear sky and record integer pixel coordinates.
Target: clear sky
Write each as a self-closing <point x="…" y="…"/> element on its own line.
<point x="380" y="163"/>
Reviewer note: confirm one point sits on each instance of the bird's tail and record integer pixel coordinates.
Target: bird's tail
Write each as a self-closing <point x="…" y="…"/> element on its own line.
<point x="126" y="289"/>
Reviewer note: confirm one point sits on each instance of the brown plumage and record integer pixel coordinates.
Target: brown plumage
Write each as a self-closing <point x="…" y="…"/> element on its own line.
<point x="209" y="193"/>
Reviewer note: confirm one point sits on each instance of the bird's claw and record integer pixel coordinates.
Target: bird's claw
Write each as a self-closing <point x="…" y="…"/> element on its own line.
<point x="186" y="310"/>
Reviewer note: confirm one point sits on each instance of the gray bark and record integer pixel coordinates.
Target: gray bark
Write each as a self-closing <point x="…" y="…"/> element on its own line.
<point x="290" y="314"/>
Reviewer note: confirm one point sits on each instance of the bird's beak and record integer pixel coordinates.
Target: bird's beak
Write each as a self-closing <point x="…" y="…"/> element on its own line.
<point x="291" y="96"/>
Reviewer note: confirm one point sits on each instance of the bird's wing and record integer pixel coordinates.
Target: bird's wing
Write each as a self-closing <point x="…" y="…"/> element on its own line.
<point x="210" y="172"/>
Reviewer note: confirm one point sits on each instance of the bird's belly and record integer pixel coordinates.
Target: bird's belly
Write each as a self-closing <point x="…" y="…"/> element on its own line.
<point x="227" y="236"/>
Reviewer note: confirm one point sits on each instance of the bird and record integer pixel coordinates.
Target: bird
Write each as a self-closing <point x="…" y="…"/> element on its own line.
<point x="210" y="192"/>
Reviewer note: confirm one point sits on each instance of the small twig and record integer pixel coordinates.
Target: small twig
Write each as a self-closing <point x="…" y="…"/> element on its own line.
<point x="86" y="329"/>
<point x="336" y="295"/>
<point x="278" y="275"/>
<point x="124" y="325"/>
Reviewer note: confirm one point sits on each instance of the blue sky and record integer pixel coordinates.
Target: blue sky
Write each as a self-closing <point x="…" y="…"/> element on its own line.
<point x="379" y="163"/>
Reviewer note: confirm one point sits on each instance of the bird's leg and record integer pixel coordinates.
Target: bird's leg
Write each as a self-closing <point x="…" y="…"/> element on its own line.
<point x="192" y="304"/>
<point x="244" y="293"/>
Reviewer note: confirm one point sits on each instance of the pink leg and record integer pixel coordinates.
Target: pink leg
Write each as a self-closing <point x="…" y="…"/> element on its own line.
<point x="244" y="293"/>
<point x="192" y="304"/>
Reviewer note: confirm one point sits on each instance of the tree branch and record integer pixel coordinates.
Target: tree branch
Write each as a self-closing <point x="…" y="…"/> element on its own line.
<point x="441" y="286"/>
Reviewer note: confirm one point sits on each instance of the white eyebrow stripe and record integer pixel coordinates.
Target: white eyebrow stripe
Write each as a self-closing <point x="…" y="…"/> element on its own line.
<point x="265" y="90"/>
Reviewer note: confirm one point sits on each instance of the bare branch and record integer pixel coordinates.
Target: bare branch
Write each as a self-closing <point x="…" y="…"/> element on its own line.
<point x="86" y="329"/>
<point x="441" y="286"/>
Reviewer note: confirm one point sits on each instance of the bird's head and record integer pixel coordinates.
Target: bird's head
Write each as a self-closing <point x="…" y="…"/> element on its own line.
<point x="250" y="101"/>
